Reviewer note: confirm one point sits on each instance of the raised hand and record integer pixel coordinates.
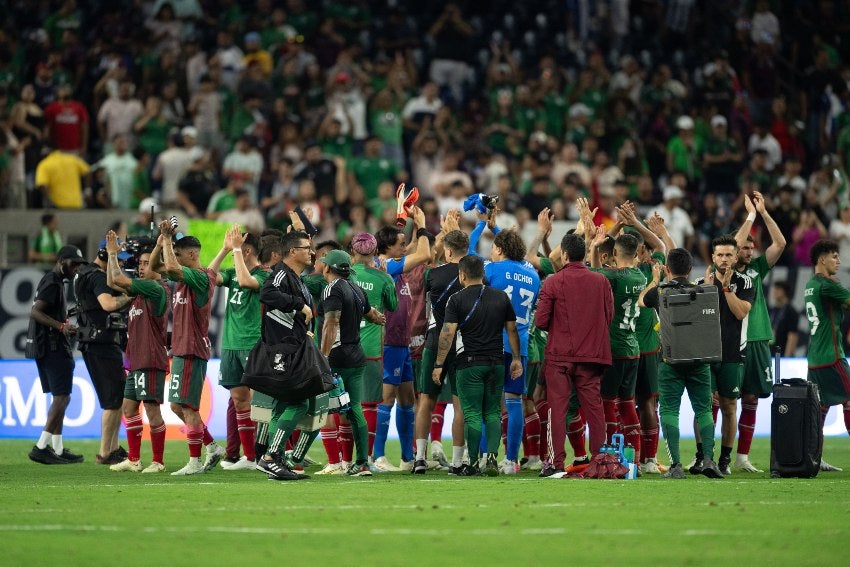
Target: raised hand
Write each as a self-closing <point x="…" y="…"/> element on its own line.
<point x="544" y="223"/>
<point x="112" y="246"/>
<point x="758" y="202"/>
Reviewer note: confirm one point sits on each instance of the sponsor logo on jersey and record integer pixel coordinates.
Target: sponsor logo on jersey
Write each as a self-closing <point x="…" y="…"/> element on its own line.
<point x="135" y="312"/>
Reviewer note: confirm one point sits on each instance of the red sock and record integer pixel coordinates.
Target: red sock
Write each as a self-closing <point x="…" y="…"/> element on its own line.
<point x="134" y="436"/>
<point x="207" y="438"/>
<point x="293" y="440"/>
<point x="612" y="418"/>
<point x="247" y="430"/>
<point x="532" y="435"/>
<point x="575" y="434"/>
<point x="715" y="408"/>
<point x="370" y="412"/>
<point x="331" y="442"/>
<point x="158" y="442"/>
<point x="847" y="419"/>
<point x="649" y="443"/>
<point x="746" y="426"/>
<point x="543" y="413"/>
<point x="505" y="430"/>
<point x="233" y="438"/>
<point x="346" y="441"/>
<point x="195" y="437"/>
<point x="437" y="421"/>
<point x="631" y="425"/>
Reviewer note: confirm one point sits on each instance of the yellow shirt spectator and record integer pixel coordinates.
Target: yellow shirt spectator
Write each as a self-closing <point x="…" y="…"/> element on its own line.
<point x="58" y="175"/>
<point x="261" y="57"/>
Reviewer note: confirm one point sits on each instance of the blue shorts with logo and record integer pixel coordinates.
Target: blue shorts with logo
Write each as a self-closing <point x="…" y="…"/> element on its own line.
<point x="398" y="366"/>
<point x="515" y="385"/>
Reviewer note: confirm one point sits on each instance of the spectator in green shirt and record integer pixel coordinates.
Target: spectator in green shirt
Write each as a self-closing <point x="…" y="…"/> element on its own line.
<point x="47" y="243"/>
<point x="371" y="170"/>
<point x="685" y="150"/>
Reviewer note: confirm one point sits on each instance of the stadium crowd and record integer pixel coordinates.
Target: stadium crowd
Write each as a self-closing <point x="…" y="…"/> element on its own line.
<point x="689" y="117"/>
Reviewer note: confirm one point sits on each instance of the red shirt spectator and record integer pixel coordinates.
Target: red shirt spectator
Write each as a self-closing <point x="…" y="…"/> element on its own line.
<point x="67" y="123"/>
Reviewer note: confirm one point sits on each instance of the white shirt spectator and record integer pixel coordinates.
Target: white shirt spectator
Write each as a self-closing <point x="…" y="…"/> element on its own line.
<point x="769" y="144"/>
<point x="677" y="221"/>
<point x="765" y="24"/>
<point x="119" y="115"/>
<point x="248" y="165"/>
<point x="232" y="64"/>
<point x="421" y="105"/>
<point x="251" y="219"/>
<point x="839" y="231"/>
<point x="171" y="166"/>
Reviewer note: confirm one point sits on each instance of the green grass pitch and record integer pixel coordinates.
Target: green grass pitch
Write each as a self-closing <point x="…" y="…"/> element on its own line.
<point x="87" y="515"/>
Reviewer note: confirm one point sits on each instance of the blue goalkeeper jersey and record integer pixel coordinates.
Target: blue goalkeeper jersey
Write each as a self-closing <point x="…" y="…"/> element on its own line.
<point x="519" y="280"/>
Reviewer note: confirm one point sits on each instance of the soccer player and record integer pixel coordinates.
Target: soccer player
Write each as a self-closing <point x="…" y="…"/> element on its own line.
<point x="825" y="299"/>
<point x="148" y="355"/>
<point x="736" y="298"/>
<point x="477" y="314"/>
<point x="674" y="379"/>
<point x="240" y="333"/>
<point x="190" y="343"/>
<point x="440" y="284"/>
<point x="48" y="342"/>
<point x="510" y="272"/>
<point x="758" y="376"/>
<point x="343" y="306"/>
<point x="398" y="366"/>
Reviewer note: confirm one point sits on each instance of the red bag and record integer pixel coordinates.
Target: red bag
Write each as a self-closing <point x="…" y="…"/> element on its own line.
<point x="605" y="465"/>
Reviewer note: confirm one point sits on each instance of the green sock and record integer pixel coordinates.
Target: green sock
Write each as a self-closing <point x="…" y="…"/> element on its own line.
<point x="670" y="427"/>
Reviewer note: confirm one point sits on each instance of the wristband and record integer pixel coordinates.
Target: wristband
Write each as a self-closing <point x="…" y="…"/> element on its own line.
<point x="422" y="232"/>
<point x="726" y="290"/>
<point x="237" y="250"/>
<point x="437" y="366"/>
<point x="751" y="217"/>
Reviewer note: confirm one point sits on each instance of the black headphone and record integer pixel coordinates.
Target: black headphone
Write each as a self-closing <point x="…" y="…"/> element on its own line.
<point x="102" y="254"/>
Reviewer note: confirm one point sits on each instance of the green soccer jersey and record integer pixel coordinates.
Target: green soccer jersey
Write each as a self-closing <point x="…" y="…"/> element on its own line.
<point x="316" y="284"/>
<point x="646" y="325"/>
<point x="825" y="298"/>
<point x="153" y="291"/>
<point x="546" y="267"/>
<point x="380" y="290"/>
<point x="758" y="320"/>
<point x="626" y="284"/>
<point x="537" y="338"/>
<point x="371" y="172"/>
<point x="243" y="314"/>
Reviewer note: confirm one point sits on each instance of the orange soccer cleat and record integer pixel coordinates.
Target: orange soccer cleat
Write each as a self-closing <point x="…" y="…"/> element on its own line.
<point x="406" y="199"/>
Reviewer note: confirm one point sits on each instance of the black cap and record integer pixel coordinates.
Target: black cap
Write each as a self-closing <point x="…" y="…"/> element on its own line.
<point x="70" y="252"/>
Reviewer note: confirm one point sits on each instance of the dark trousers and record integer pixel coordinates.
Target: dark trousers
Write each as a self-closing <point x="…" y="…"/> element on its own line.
<point x="561" y="378"/>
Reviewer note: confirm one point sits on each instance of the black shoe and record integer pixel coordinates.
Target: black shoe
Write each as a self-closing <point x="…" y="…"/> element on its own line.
<point x="419" y="467"/>
<point x="277" y="469"/>
<point x="46" y="456"/>
<point x="71" y="457"/>
<point x="696" y="468"/>
<point x="723" y="465"/>
<point x="548" y="470"/>
<point x="491" y="468"/>
<point x="120" y="452"/>
<point x="710" y="469"/>
<point x="522" y="461"/>
<point x="113" y="458"/>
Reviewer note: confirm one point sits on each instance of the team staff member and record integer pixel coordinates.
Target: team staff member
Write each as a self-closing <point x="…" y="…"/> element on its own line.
<point x="343" y="306"/>
<point x="440" y="284"/>
<point x="147" y="352"/>
<point x="288" y="312"/>
<point x="477" y="314"/>
<point x="47" y="342"/>
<point x="758" y="377"/>
<point x="241" y="331"/>
<point x="736" y="299"/>
<point x="190" y="343"/>
<point x="825" y="299"/>
<point x="673" y="379"/>
<point x="101" y="348"/>
<point x="576" y="306"/>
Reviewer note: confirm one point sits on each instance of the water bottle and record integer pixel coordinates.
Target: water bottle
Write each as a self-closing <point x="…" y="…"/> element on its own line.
<point x="629" y="453"/>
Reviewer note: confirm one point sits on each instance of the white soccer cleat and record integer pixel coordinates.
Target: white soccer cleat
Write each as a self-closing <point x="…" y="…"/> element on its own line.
<point x="826" y="467"/>
<point x="242" y="464"/>
<point x="508" y="467"/>
<point x="331" y="469"/>
<point x="194" y="466"/>
<point x="743" y="464"/>
<point x="533" y="464"/>
<point x="215" y="453"/>
<point x="382" y="464"/>
<point x="127" y="466"/>
<point x="154" y="467"/>
<point x="650" y="466"/>
<point x="405" y="466"/>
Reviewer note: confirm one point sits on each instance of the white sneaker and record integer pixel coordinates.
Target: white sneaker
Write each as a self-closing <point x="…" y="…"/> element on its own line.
<point x="743" y="464"/>
<point x="242" y="464"/>
<point x="331" y="469"/>
<point x="533" y="464"/>
<point x="826" y="467"/>
<point x="214" y="454"/>
<point x="127" y="466"/>
<point x="405" y="466"/>
<point x="154" y="467"/>
<point x="509" y="467"/>
<point x="194" y="466"/>
<point x="381" y="464"/>
<point x="225" y="464"/>
<point x="650" y="466"/>
<point x="440" y="458"/>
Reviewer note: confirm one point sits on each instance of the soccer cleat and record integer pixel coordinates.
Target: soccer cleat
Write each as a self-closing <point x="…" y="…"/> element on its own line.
<point x="509" y="467"/>
<point x="405" y="466"/>
<point x="154" y="467"/>
<point x="359" y="469"/>
<point x="675" y="472"/>
<point x="345" y="465"/>
<point x="440" y="458"/>
<point x="228" y="462"/>
<point x="382" y="464"/>
<point x="711" y="470"/>
<point x="277" y="469"/>
<point x="242" y="464"/>
<point x="532" y="464"/>
<point x="578" y="466"/>
<point x="650" y="466"/>
<point x="723" y="465"/>
<point x="420" y="466"/>
<point x="307" y="462"/>
<point x="331" y="468"/>
<point x="696" y="466"/>
<point x="491" y="467"/>
<point x="743" y="464"/>
<point x="463" y="470"/>
<point x="127" y="466"/>
<point x="112" y="458"/>
<point x="826" y="467"/>
<point x="213" y="456"/>
<point x="46" y="456"/>
<point x="194" y="466"/>
<point x="71" y="457"/>
<point x="548" y="470"/>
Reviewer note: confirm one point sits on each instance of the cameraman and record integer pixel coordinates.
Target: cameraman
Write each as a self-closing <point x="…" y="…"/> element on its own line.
<point x="101" y="335"/>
